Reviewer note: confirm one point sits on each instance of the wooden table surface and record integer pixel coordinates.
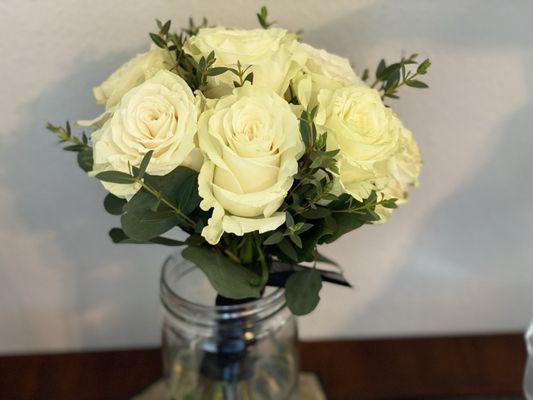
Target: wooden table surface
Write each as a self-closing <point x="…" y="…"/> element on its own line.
<point x="419" y="368"/>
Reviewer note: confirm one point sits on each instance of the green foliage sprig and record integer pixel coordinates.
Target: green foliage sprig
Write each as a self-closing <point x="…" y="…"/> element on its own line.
<point x="78" y="145"/>
<point x="262" y="17"/>
<point x="389" y="78"/>
<point x="161" y="204"/>
<point x="193" y="72"/>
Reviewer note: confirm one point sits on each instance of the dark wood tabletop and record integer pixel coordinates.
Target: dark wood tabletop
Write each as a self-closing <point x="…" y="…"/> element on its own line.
<point x="414" y="368"/>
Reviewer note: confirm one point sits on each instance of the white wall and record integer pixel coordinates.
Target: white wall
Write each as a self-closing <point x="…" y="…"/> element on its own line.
<point x="457" y="258"/>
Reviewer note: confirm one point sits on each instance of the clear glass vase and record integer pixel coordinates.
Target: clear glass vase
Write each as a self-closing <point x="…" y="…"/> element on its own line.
<point x="232" y="352"/>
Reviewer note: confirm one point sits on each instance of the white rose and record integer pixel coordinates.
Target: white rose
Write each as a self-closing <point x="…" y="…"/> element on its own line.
<point x="403" y="168"/>
<point x="322" y="70"/>
<point x="365" y="131"/>
<point x="134" y="72"/>
<point x="159" y="115"/>
<point x="273" y="54"/>
<point x="252" y="145"/>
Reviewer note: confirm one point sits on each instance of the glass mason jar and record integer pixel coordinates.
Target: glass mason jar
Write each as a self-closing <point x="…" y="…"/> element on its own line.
<point x="231" y="352"/>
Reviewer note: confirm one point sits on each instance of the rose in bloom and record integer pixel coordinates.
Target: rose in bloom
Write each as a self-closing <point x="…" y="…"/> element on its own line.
<point x="404" y="168"/>
<point x="365" y="131"/>
<point x="134" y="72"/>
<point x="252" y="145"/>
<point x="322" y="70"/>
<point x="273" y="54"/>
<point x="160" y="115"/>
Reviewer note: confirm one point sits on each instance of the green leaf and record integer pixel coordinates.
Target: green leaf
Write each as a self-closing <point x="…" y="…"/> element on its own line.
<point x="423" y="67"/>
<point x="119" y="236"/>
<point x="113" y="204"/>
<point x="287" y="248"/>
<point x="392" y="69"/>
<point x="75" y="147"/>
<point x="316" y="213"/>
<point x="158" y="40"/>
<point x="303" y="227"/>
<point x="141" y="223"/>
<point x="249" y="78"/>
<point x="304" y="129"/>
<point x="296" y="240"/>
<point x="180" y="186"/>
<point x="379" y="70"/>
<point x="289" y="220"/>
<point x="345" y="222"/>
<point x="416" y="84"/>
<point x="229" y="279"/>
<point x="217" y="71"/>
<point x="302" y="291"/>
<point x="144" y="163"/>
<point x="165" y="28"/>
<point x="85" y="160"/>
<point x="389" y="203"/>
<point x="275" y="238"/>
<point x="115" y="177"/>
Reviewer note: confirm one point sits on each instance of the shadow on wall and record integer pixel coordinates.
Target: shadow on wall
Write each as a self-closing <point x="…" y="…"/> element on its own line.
<point x="486" y="222"/>
<point x="55" y="243"/>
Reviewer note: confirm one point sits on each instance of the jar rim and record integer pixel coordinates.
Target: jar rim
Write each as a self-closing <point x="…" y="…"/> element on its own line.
<point x="173" y="301"/>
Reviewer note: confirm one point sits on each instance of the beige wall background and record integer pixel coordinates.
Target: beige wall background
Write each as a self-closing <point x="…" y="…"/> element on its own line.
<point x="457" y="259"/>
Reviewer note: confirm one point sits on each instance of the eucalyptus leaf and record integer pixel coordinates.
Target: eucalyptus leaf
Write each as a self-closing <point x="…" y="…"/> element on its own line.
<point x="85" y="160"/>
<point x="141" y="223"/>
<point x="144" y="163"/>
<point x="302" y="291"/>
<point x="113" y="204"/>
<point x="229" y="279"/>
<point x="179" y="186"/>
<point x="115" y="177"/>
<point x="344" y="222"/>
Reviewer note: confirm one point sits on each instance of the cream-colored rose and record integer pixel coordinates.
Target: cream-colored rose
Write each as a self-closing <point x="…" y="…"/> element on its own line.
<point x="365" y="131"/>
<point x="322" y="70"/>
<point x="160" y="115"/>
<point x="252" y="145"/>
<point x="403" y="168"/>
<point x="273" y="54"/>
<point x="134" y="72"/>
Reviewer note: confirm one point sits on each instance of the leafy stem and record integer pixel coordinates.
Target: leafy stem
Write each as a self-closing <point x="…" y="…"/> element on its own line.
<point x="389" y="78"/>
<point x="65" y="135"/>
<point x="157" y="194"/>
<point x="369" y="205"/>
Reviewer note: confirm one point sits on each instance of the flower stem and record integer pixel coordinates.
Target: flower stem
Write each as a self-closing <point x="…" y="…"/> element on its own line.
<point x="158" y="195"/>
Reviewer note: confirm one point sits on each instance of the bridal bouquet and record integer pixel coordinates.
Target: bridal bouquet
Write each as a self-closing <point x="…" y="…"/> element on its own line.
<point x="258" y="146"/>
